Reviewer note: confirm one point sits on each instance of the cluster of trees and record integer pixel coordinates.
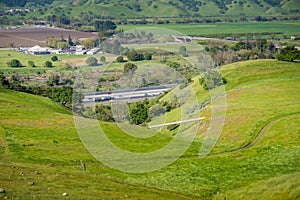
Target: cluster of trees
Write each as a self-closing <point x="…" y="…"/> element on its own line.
<point x="103" y="26"/>
<point x="58" y="20"/>
<point x="62" y="95"/>
<point x="244" y="50"/>
<point x="114" y="47"/>
<point x="134" y="56"/>
<point x="22" y="3"/>
<point x="289" y="53"/>
<point x="192" y="5"/>
<point x="143" y="111"/>
<point x="60" y="43"/>
<point x="139" y="112"/>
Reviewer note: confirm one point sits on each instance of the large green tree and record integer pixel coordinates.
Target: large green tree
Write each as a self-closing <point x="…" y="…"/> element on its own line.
<point x="289" y="53"/>
<point x="139" y="112"/>
<point x="91" y="61"/>
<point x="15" y="63"/>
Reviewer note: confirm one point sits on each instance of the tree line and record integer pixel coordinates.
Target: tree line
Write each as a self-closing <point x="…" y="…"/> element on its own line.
<point x="62" y="95"/>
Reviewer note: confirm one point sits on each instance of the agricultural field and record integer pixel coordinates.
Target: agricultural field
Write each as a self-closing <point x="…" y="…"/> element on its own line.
<point x="256" y="155"/>
<point x="31" y="36"/>
<point x="286" y="27"/>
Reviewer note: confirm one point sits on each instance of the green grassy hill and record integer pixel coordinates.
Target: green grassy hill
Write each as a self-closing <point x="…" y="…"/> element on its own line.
<point x="257" y="156"/>
<point x="38" y="143"/>
<point x="165" y="8"/>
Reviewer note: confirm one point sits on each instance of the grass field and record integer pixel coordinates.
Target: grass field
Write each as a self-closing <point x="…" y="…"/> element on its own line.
<point x="287" y="27"/>
<point x="8" y="55"/>
<point x="263" y="93"/>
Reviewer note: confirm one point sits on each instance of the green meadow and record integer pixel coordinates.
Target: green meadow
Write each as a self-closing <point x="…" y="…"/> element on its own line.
<point x="257" y="154"/>
<point x="7" y="55"/>
<point x="286" y="27"/>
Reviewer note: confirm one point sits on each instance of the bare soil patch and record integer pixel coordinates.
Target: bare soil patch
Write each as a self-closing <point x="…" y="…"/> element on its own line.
<point x="30" y="36"/>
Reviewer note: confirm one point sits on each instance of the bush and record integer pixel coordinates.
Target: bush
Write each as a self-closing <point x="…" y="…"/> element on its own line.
<point x="120" y="59"/>
<point x="182" y="51"/>
<point x="134" y="56"/>
<point x="211" y="79"/>
<point x="31" y="63"/>
<point x="148" y="56"/>
<point x="102" y="59"/>
<point x="54" y="58"/>
<point x="48" y="64"/>
<point x="130" y="67"/>
<point x="91" y="61"/>
<point x="15" y="63"/>
<point x="139" y="112"/>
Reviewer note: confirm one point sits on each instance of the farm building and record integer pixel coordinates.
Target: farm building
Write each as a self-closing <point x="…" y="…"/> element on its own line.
<point x="37" y="50"/>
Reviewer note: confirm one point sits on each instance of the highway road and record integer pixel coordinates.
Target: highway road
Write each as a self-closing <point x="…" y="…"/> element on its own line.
<point x="127" y="95"/>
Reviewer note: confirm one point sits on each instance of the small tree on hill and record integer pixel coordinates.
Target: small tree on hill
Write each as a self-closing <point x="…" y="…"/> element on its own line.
<point x="148" y="56"/>
<point x="70" y="42"/>
<point x="15" y="63"/>
<point x="120" y="59"/>
<point x="182" y="51"/>
<point x="91" y="61"/>
<point x="54" y="58"/>
<point x="48" y="64"/>
<point x="211" y="79"/>
<point x="31" y="63"/>
<point x="130" y="67"/>
<point x="102" y="59"/>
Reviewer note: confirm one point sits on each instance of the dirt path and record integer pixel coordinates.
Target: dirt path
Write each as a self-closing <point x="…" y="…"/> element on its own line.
<point x="258" y="137"/>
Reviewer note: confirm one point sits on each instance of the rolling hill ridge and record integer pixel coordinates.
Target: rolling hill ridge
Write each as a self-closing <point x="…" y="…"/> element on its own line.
<point x="160" y="8"/>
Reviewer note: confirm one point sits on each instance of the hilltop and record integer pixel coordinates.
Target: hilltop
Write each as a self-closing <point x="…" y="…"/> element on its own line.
<point x="140" y="9"/>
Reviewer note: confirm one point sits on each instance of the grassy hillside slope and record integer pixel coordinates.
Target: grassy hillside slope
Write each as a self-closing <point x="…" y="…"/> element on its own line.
<point x="165" y="8"/>
<point x="37" y="138"/>
<point x="262" y="110"/>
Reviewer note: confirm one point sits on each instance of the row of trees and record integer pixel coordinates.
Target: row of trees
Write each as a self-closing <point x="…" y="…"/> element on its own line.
<point x="223" y="53"/>
<point x="134" y="56"/>
<point x="15" y="63"/>
<point x="60" y="43"/>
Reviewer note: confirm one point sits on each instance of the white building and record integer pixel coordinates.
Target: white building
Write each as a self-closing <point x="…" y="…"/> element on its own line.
<point x="37" y="50"/>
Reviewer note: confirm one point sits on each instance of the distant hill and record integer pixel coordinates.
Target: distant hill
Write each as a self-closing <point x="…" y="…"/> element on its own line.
<point x="118" y="9"/>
